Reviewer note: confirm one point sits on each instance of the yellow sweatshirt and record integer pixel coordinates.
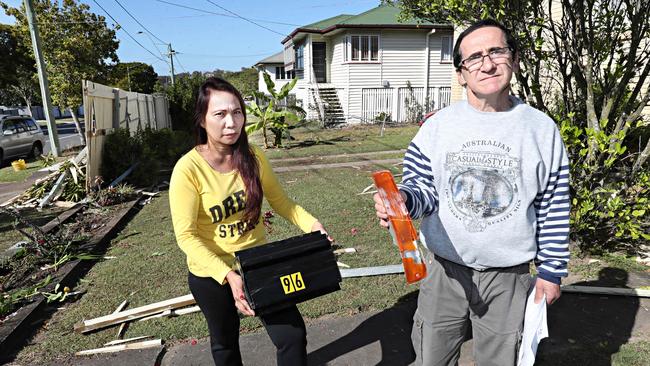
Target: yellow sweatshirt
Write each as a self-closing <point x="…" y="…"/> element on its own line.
<point x="207" y="209"/>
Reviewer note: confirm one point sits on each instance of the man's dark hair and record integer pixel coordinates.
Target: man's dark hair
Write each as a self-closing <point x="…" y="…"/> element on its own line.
<point x="510" y="39"/>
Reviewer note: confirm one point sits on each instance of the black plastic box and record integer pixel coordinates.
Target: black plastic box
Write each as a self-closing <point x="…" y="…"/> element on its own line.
<point x="289" y="271"/>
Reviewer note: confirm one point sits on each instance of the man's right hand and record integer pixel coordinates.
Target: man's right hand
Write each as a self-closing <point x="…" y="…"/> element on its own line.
<point x="380" y="209"/>
<point x="237" y="287"/>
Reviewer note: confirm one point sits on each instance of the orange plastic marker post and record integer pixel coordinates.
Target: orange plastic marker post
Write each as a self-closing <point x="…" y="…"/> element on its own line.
<point x="401" y="227"/>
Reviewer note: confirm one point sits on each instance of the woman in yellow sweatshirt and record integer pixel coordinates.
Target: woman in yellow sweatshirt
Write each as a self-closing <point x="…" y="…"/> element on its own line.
<point x="215" y="197"/>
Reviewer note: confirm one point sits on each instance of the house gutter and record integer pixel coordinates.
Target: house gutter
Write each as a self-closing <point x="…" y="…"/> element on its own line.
<point x="364" y="26"/>
<point x="426" y="75"/>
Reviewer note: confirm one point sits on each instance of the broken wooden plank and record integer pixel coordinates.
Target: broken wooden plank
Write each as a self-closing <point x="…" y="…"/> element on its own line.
<point x="121" y="347"/>
<point x="593" y="290"/>
<point x="123" y="175"/>
<point x="64" y="204"/>
<point x="372" y="271"/>
<point x="55" y="189"/>
<point x="120" y="330"/>
<point x="54" y="223"/>
<point x="128" y="340"/>
<point x="173" y="312"/>
<point x="133" y="314"/>
<point x="345" y="250"/>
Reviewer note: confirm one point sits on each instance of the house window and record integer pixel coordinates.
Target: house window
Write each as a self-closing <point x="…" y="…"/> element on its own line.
<point x="446" y="50"/>
<point x="279" y="73"/>
<point x="300" y="58"/>
<point x="362" y="48"/>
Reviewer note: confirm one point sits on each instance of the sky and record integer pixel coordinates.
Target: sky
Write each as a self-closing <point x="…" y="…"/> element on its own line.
<point x="208" y="34"/>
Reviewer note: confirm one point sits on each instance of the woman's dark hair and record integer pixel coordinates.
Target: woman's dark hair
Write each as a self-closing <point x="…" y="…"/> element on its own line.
<point x="243" y="158"/>
<point x="510" y="39"/>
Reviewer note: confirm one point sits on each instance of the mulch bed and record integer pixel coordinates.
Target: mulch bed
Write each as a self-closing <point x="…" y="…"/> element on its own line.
<point x="93" y="230"/>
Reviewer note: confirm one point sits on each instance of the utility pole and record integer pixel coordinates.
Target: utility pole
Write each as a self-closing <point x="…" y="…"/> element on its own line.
<point x="42" y="78"/>
<point x="171" y="53"/>
<point x="128" y="75"/>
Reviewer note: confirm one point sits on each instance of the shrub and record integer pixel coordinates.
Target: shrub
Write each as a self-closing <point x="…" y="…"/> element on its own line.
<point x="149" y="150"/>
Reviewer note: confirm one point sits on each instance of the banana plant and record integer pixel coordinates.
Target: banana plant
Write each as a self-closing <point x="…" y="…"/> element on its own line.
<point x="273" y="117"/>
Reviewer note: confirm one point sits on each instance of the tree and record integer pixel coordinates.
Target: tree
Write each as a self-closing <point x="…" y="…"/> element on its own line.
<point x="17" y="70"/>
<point x="585" y="63"/>
<point x="77" y="45"/>
<point x="244" y="80"/>
<point x="272" y="116"/>
<point x="133" y="76"/>
<point x="182" y="98"/>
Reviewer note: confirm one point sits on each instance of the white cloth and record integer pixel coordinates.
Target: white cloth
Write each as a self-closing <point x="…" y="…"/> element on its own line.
<point x="535" y="329"/>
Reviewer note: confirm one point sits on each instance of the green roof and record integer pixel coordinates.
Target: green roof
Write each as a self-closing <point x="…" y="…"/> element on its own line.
<point x="325" y="23"/>
<point x="383" y="14"/>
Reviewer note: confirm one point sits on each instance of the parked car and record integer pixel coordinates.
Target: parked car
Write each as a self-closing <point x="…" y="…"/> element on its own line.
<point x="20" y="136"/>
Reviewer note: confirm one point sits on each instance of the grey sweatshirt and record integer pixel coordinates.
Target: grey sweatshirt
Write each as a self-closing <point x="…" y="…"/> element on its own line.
<point x="492" y="188"/>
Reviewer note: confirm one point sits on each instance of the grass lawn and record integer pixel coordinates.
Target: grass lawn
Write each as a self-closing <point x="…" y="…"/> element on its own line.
<point x="8" y="174"/>
<point x="150" y="267"/>
<point x="317" y="142"/>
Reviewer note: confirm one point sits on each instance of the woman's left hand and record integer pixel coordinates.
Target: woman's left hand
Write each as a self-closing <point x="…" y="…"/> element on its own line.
<point x="319" y="227"/>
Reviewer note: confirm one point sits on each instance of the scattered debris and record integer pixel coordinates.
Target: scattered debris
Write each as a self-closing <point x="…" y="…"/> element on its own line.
<point x="123" y="175"/>
<point x="121" y="347"/>
<point x="133" y="314"/>
<point x="75" y="170"/>
<point x="345" y="250"/>
<point x="354" y="231"/>
<point x="368" y="190"/>
<point x="64" y="204"/>
<point x="342" y="265"/>
<point x="128" y="340"/>
<point x="173" y="312"/>
<point x="120" y="330"/>
<point x="372" y="271"/>
<point x="606" y="291"/>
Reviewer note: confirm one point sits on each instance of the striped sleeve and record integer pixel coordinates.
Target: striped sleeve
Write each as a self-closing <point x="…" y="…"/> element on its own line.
<point x="552" y="208"/>
<point x="418" y="183"/>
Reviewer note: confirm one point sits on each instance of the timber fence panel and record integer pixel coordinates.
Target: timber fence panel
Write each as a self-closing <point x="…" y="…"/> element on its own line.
<point x="107" y="108"/>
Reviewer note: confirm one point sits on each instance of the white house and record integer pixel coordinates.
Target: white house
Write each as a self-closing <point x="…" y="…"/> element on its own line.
<point x="367" y="67"/>
<point x="274" y="66"/>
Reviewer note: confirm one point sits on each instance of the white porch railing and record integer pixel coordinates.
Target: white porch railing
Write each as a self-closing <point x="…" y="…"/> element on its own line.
<point x="402" y="104"/>
<point x="376" y="104"/>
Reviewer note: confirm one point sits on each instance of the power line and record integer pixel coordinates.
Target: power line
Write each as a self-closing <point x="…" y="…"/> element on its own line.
<point x="125" y="31"/>
<point x="241" y="17"/>
<point x="228" y="56"/>
<point x="179" y="62"/>
<point x="219" y="14"/>
<point x="137" y="21"/>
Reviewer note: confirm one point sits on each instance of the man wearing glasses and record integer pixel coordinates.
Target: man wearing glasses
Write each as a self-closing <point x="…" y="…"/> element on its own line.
<point x="489" y="177"/>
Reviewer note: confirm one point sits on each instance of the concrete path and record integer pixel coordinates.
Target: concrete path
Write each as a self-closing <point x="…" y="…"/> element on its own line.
<point x="585" y="330"/>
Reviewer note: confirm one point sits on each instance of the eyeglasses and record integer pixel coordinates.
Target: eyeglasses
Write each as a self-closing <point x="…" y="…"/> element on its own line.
<point x="496" y="55"/>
